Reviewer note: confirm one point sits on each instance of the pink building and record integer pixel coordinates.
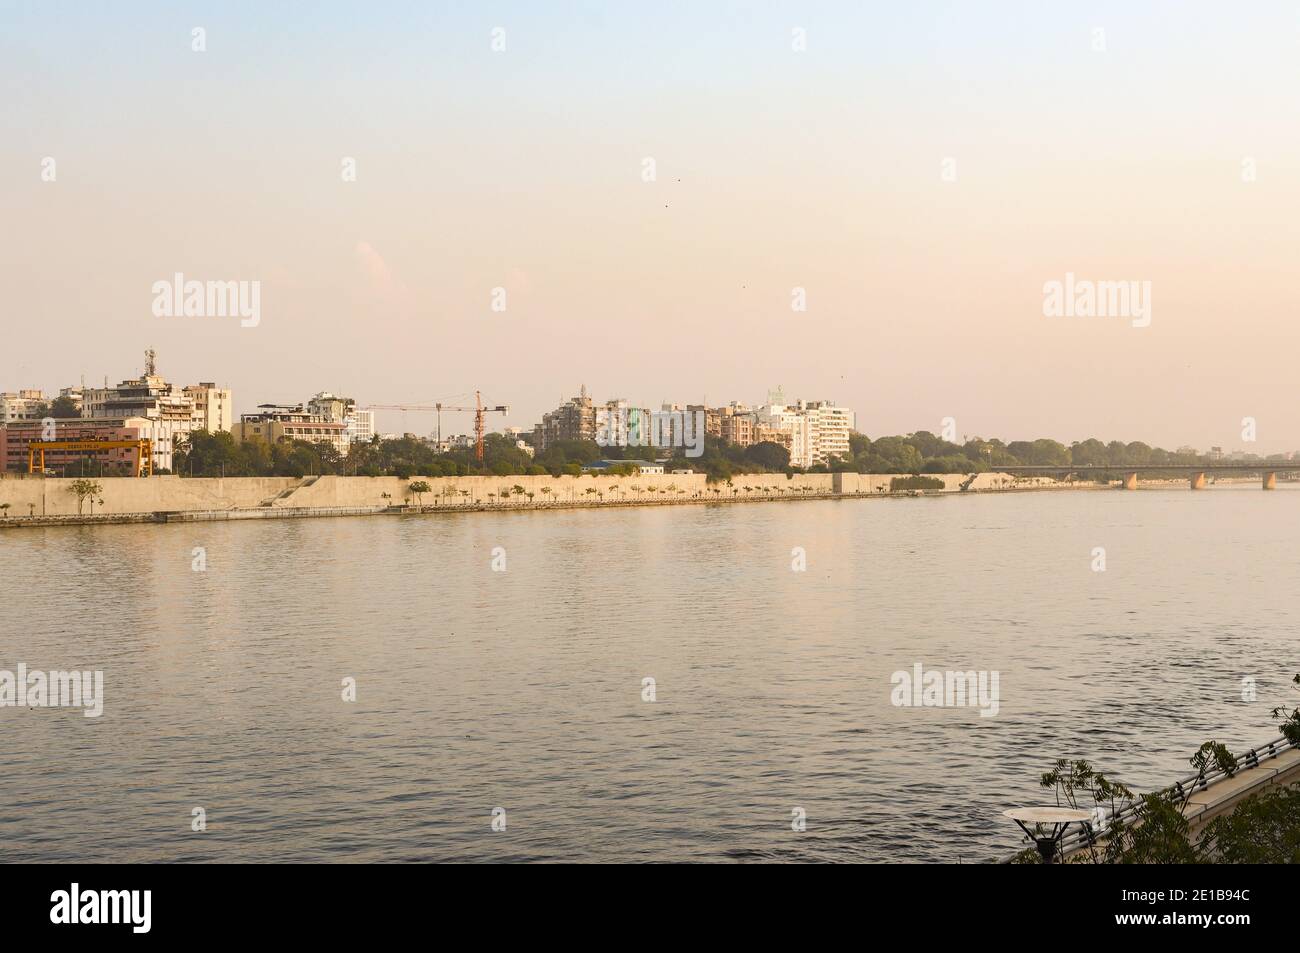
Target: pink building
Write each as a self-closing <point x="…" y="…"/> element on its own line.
<point x="16" y="436"/>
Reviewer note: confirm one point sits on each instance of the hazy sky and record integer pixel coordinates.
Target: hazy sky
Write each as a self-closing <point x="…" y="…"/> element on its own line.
<point x="777" y="169"/>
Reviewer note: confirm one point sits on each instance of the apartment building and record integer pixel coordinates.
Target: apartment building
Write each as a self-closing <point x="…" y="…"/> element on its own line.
<point x="736" y="424"/>
<point x="830" y="428"/>
<point x="213" y="407"/>
<point x="167" y="410"/>
<point x="818" y="430"/>
<point x="574" y="420"/>
<point x="359" y="426"/>
<point x="21" y="405"/>
<point x="273" y="423"/>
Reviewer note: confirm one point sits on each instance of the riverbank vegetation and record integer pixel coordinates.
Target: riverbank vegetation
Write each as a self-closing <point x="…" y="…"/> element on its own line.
<point x="1154" y="829"/>
<point x="207" y="454"/>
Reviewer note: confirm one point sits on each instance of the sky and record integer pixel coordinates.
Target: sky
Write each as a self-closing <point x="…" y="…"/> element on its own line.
<point x="920" y="170"/>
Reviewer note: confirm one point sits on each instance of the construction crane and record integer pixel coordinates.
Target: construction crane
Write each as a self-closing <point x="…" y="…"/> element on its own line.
<point x="478" y="410"/>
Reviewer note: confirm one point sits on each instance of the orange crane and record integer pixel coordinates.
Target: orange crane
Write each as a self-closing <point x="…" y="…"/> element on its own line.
<point x="478" y="410"/>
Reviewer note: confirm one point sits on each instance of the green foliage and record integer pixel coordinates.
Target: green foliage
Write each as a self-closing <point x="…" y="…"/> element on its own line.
<point x="1290" y="723"/>
<point x="84" y="489"/>
<point x="720" y="461"/>
<point x="205" y="454"/>
<point x="915" y="483"/>
<point x="770" y="456"/>
<point x="923" y="452"/>
<point x="1263" y="829"/>
<point x="61" y="407"/>
<point x="417" y="488"/>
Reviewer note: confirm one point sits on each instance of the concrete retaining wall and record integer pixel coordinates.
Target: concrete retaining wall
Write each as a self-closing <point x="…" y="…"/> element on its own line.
<point x="53" y="496"/>
<point x="37" y="496"/>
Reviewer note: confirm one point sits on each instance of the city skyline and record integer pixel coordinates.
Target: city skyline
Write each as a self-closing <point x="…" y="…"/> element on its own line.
<point x="462" y="424"/>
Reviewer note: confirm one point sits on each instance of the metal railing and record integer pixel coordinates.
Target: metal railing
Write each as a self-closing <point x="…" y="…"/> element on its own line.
<point x="1183" y="789"/>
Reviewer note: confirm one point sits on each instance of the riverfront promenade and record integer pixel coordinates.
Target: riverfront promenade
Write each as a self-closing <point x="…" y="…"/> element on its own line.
<point x="1217" y="794"/>
<point x="44" y="501"/>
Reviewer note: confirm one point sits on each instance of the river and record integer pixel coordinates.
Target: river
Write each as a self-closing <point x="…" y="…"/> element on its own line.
<point x="524" y="690"/>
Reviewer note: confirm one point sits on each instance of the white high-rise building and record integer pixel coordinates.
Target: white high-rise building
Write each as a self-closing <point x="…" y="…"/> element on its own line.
<point x="214" y="409"/>
<point x="830" y="426"/>
<point x="818" y="430"/>
<point x="360" y="426"/>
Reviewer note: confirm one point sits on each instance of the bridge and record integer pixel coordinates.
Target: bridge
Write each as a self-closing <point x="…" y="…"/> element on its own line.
<point x="1196" y="472"/>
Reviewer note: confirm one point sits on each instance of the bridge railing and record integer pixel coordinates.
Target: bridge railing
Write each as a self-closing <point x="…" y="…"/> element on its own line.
<point x="1183" y="788"/>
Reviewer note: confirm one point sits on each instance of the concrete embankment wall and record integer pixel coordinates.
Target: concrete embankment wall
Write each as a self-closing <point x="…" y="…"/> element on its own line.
<point x="54" y="497"/>
<point x="41" y="496"/>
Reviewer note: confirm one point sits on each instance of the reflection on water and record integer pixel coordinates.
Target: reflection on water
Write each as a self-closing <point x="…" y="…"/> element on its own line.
<point x="523" y="689"/>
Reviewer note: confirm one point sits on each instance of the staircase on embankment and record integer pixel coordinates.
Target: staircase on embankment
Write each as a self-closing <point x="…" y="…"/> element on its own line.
<point x="280" y="498"/>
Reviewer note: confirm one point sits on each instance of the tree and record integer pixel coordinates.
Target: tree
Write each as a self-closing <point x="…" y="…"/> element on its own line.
<point x="62" y="407"/>
<point x="768" y="455"/>
<point x="418" y="488"/>
<point x="84" y="489"/>
<point x="1089" y="453"/>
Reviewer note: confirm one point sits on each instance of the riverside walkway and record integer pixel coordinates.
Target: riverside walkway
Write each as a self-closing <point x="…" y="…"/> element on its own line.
<point x="1211" y="794"/>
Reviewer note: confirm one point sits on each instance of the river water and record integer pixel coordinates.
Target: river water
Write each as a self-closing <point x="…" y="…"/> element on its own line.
<point x="523" y="689"/>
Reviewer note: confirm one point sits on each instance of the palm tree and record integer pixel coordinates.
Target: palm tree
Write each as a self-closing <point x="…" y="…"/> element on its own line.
<point x="546" y="492"/>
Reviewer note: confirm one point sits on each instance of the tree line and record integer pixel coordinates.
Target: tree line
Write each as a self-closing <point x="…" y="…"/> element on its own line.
<point x="215" y="454"/>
